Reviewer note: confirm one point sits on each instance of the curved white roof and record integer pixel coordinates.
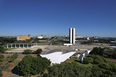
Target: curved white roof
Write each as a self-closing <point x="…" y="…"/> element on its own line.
<point x="58" y="57"/>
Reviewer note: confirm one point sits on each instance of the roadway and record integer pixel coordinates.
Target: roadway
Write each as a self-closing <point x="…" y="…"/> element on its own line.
<point x="52" y="41"/>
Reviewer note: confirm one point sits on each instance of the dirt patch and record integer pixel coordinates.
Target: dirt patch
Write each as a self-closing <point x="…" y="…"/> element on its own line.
<point x="112" y="60"/>
<point x="11" y="67"/>
<point x="2" y="64"/>
<point x="68" y="61"/>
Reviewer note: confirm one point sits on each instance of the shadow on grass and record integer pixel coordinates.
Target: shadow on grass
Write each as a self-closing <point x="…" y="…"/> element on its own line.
<point x="16" y="71"/>
<point x="77" y="61"/>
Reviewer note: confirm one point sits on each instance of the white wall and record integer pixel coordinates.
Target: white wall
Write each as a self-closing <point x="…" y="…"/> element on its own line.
<point x="81" y="56"/>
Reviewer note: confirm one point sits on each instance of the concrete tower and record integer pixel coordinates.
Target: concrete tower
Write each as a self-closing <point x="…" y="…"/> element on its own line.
<point x="73" y="34"/>
<point x="70" y="35"/>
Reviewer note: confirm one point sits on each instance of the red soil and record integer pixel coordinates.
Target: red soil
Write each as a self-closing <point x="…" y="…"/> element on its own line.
<point x="11" y="67"/>
<point x="69" y="61"/>
<point x="112" y="60"/>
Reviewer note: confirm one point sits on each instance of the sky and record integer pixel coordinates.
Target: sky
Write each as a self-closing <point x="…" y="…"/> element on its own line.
<point x="55" y="17"/>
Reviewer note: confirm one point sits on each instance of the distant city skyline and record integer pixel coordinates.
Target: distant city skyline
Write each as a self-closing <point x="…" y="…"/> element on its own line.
<point x="55" y="17"/>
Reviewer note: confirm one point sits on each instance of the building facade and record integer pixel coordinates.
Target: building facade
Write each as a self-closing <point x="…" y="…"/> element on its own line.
<point x="22" y="38"/>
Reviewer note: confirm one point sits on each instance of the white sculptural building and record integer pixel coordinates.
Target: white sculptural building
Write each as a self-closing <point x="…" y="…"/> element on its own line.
<point x="58" y="57"/>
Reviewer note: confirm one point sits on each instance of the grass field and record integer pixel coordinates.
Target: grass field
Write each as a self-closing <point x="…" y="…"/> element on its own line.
<point x="16" y="62"/>
<point x="75" y="59"/>
<point x="8" y="49"/>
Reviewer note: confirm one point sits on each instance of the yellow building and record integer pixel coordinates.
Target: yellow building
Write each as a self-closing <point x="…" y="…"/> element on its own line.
<point x="22" y="38"/>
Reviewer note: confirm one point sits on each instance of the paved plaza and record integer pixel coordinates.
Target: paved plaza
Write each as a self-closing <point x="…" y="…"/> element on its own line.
<point x="53" y="48"/>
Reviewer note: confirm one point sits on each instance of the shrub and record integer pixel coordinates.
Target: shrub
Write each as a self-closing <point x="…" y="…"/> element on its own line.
<point x="5" y="67"/>
<point x="97" y="51"/>
<point x="2" y="49"/>
<point x="1" y="58"/>
<point x="27" y="51"/>
<point x="12" y="58"/>
<point x="38" y="51"/>
<point x="113" y="67"/>
<point x="96" y="71"/>
<point x="0" y="73"/>
<point x="32" y="65"/>
<point x="87" y="60"/>
<point x="98" y="59"/>
<point x="105" y="66"/>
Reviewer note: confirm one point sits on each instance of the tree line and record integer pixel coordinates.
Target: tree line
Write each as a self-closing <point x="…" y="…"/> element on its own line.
<point x="98" y="41"/>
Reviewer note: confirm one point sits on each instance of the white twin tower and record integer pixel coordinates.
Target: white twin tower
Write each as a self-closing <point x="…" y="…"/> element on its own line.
<point x="72" y="36"/>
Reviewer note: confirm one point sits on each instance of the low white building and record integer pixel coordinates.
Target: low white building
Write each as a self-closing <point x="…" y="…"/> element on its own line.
<point x="81" y="56"/>
<point x="40" y="37"/>
<point x="67" y="44"/>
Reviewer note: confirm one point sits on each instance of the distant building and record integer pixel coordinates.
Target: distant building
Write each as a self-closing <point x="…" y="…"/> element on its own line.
<point x="22" y="38"/>
<point x="40" y="37"/>
<point x="47" y="36"/>
<point x="79" y="36"/>
<point x="88" y="38"/>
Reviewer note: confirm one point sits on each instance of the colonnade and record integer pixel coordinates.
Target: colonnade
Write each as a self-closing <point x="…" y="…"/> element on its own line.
<point x="20" y="45"/>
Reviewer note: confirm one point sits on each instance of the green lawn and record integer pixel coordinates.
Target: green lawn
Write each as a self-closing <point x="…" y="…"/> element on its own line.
<point x="16" y="62"/>
<point x="75" y="59"/>
<point x="3" y="62"/>
<point x="110" y="60"/>
<point x="8" y="49"/>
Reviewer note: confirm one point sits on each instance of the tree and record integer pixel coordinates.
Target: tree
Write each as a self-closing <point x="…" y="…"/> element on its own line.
<point x="31" y="65"/>
<point x="12" y="58"/>
<point x="105" y="66"/>
<point x="2" y="49"/>
<point x="113" y="67"/>
<point x="88" y="60"/>
<point x="38" y="51"/>
<point x="27" y="51"/>
<point x="97" y="51"/>
<point x="1" y="58"/>
<point x="0" y="73"/>
<point x="68" y="70"/>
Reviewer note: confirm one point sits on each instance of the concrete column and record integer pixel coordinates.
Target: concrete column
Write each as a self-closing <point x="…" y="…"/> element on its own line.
<point x="11" y="45"/>
<point x="7" y="45"/>
<point x="15" y="45"/>
<point x="27" y="45"/>
<point x="19" y="46"/>
<point x="23" y="45"/>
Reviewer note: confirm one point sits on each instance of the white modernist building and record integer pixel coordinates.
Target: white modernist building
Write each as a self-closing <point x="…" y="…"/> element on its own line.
<point x="72" y="36"/>
<point x="58" y="57"/>
<point x="81" y="56"/>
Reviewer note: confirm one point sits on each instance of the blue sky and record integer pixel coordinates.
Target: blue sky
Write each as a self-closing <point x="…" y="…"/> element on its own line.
<point x="55" y="17"/>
